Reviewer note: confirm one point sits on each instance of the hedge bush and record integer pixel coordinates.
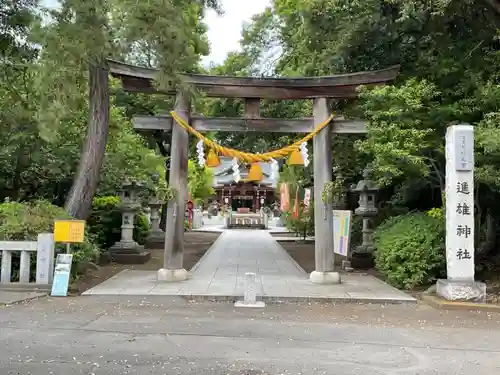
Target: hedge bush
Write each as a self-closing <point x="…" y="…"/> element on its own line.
<point x="303" y="225"/>
<point x="384" y="213"/>
<point x="106" y="220"/>
<point x="24" y="221"/>
<point x="411" y="250"/>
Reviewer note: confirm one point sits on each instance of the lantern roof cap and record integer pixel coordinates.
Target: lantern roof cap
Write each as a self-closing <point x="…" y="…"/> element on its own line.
<point x="366" y="184"/>
<point x="128" y="185"/>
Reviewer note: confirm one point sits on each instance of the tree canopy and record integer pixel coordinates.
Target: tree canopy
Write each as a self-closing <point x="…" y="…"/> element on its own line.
<point x="58" y="144"/>
<point x="54" y="92"/>
<point x="449" y="57"/>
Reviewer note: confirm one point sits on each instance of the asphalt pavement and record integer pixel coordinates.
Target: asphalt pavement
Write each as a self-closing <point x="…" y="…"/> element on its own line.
<point x="168" y="335"/>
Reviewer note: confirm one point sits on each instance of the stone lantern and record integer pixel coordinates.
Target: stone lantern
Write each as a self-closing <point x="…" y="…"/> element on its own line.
<point x="127" y="251"/>
<point x="156" y="238"/>
<point x="362" y="256"/>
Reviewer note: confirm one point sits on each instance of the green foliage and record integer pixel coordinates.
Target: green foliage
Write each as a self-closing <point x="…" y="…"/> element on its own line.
<point x="450" y="69"/>
<point x="200" y="181"/>
<point x="127" y="155"/>
<point x="437" y="213"/>
<point x="157" y="33"/>
<point x="296" y="176"/>
<point x="24" y="221"/>
<point x="333" y="192"/>
<point x="410" y="250"/>
<point x="141" y="229"/>
<point x="106" y="220"/>
<point x="32" y="167"/>
<point x="487" y="139"/>
<point x="356" y="231"/>
<point x="403" y="137"/>
<point x="15" y="19"/>
<point x="385" y="213"/>
<point x="303" y="225"/>
<point x="448" y="52"/>
<point x="44" y="102"/>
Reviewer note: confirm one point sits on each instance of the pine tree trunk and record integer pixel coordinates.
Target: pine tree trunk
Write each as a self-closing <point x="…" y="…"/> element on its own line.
<point x="79" y="201"/>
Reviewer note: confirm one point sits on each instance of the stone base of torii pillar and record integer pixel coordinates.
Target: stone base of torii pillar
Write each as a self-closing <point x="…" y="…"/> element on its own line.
<point x="317" y="277"/>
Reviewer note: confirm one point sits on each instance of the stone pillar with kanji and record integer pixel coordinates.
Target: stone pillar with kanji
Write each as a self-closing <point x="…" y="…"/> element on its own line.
<point x="460" y="284"/>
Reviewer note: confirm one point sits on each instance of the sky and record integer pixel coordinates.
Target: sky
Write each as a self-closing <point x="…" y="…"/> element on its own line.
<point x="224" y="32"/>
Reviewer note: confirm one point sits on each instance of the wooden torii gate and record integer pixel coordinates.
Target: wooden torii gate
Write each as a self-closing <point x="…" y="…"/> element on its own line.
<point x="252" y="90"/>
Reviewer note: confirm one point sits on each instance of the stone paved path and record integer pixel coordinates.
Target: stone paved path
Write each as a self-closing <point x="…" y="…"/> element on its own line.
<point x="220" y="275"/>
<point x="240" y="251"/>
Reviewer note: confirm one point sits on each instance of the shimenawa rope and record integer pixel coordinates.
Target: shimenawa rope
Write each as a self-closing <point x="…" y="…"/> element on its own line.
<point x="245" y="156"/>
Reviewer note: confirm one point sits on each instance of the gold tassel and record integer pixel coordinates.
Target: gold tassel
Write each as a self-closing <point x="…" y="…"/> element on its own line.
<point x="255" y="172"/>
<point x="212" y="159"/>
<point x="295" y="158"/>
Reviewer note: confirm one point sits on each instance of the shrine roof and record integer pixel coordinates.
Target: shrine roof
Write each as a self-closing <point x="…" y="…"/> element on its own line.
<point x="140" y="79"/>
<point x="223" y="174"/>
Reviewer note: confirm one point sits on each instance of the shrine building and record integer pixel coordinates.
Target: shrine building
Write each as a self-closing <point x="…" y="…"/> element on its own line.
<point x="244" y="195"/>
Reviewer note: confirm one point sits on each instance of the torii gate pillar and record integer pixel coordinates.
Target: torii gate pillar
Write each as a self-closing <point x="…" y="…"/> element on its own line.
<point x="323" y="213"/>
<point x="174" y="234"/>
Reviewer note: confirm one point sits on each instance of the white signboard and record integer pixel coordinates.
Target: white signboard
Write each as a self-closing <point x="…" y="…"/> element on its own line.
<point x="460" y="202"/>
<point x="341" y="231"/>
<point x="62" y="274"/>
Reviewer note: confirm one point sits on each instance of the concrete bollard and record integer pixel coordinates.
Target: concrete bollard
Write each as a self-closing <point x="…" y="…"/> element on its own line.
<point x="250" y="293"/>
<point x="250" y="296"/>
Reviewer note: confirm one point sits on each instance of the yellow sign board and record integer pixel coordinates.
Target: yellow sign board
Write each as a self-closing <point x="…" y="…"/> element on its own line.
<point x="69" y="231"/>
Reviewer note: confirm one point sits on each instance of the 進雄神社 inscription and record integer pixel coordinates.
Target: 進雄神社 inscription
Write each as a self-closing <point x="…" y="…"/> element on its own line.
<point x="463" y="230"/>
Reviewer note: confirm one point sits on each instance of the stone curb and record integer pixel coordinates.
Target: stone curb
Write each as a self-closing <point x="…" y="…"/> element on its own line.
<point x="24" y="299"/>
<point x="441" y="304"/>
<point x="26" y="288"/>
<point x="278" y="300"/>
